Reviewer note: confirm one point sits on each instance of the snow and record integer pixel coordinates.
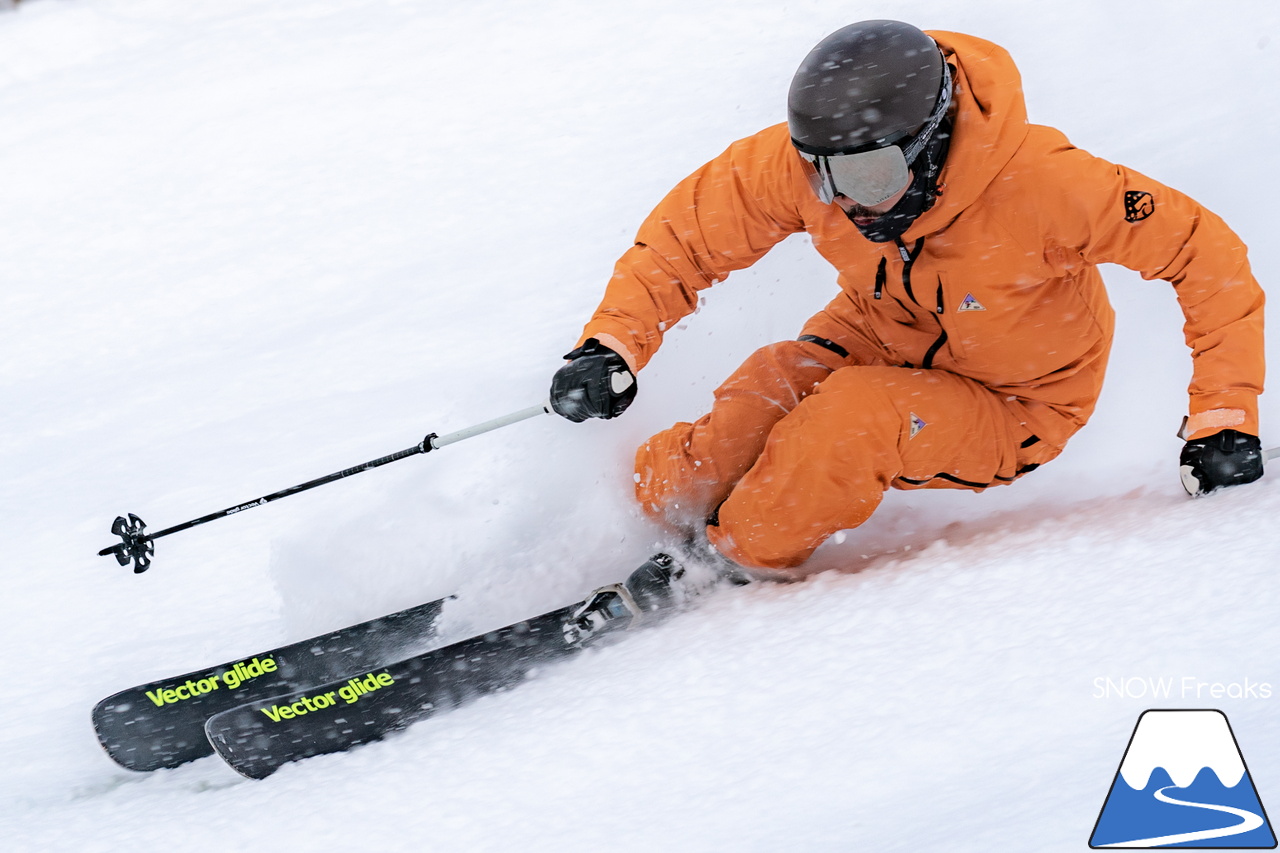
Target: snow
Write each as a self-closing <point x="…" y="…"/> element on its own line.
<point x="246" y="244"/>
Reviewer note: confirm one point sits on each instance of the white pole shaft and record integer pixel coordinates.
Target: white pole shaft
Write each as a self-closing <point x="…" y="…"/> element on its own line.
<point x="497" y="423"/>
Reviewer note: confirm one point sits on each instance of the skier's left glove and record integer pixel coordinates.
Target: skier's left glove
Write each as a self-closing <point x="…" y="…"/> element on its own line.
<point x="596" y="383"/>
<point x="1227" y="458"/>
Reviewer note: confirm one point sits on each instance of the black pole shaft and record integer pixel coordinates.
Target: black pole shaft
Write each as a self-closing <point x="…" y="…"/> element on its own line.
<point x="132" y="543"/>
<point x="275" y="496"/>
<point x="293" y="490"/>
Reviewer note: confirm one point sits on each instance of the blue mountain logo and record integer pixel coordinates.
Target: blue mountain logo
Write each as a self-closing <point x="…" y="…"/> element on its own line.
<point x="1183" y="783"/>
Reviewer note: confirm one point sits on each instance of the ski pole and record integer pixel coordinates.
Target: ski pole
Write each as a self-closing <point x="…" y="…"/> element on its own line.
<point x="139" y="546"/>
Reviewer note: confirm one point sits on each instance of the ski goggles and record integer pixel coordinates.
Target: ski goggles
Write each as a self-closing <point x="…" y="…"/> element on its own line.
<point x="878" y="173"/>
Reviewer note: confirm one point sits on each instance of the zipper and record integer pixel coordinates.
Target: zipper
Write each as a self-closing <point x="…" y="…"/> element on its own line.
<point x="951" y="478"/>
<point x="933" y="350"/>
<point x="942" y="338"/>
<point x="908" y="261"/>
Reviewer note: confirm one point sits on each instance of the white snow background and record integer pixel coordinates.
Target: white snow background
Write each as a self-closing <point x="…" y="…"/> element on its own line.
<point x="244" y="244"/>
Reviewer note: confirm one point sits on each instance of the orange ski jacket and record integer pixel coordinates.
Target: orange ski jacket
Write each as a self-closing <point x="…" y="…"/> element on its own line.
<point x="998" y="281"/>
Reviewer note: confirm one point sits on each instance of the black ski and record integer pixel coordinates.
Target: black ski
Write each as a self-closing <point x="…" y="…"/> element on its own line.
<point x="256" y="739"/>
<point x="161" y="724"/>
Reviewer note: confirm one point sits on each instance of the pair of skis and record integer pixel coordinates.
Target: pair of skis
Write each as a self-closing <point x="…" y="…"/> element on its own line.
<point x="336" y="691"/>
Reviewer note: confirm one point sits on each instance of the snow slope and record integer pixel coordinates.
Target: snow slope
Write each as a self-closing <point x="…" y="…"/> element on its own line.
<point x="248" y="243"/>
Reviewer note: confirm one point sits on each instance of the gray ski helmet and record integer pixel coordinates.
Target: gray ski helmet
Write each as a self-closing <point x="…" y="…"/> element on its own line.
<point x="865" y="86"/>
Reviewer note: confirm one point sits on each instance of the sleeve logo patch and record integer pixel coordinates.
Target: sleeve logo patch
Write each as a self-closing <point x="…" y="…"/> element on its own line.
<point x="1138" y="205"/>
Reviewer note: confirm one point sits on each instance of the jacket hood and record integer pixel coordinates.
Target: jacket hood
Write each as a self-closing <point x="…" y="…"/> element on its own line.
<point x="990" y="123"/>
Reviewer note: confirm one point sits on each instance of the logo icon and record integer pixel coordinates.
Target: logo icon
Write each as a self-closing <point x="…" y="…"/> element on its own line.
<point x="917" y="424"/>
<point x="1182" y="783"/>
<point x="1138" y="205"/>
<point x="971" y="304"/>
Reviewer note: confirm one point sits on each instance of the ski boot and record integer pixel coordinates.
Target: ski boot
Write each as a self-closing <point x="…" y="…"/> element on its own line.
<point x="666" y="583"/>
<point x="653" y="585"/>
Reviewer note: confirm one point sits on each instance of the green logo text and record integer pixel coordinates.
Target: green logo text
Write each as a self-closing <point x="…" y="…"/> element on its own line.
<point x="241" y="672"/>
<point x="348" y="693"/>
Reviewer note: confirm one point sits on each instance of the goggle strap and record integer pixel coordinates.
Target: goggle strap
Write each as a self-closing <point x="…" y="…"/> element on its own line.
<point x="826" y="180"/>
<point x="913" y="149"/>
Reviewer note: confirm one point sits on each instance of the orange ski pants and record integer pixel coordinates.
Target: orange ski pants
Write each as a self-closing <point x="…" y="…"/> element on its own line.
<point x="802" y="442"/>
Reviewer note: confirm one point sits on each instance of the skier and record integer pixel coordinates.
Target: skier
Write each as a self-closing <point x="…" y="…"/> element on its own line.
<point x="971" y="332"/>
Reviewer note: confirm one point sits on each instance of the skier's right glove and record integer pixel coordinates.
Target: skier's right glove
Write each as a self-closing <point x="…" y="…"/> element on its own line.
<point x="1227" y="458"/>
<point x="596" y="383"/>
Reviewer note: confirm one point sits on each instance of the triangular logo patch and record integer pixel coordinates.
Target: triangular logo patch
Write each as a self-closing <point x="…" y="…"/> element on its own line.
<point x="917" y="424"/>
<point x="971" y="304"/>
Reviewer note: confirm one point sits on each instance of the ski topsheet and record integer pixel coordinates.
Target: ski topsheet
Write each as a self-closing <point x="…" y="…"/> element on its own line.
<point x="161" y="724"/>
<point x="256" y="739"/>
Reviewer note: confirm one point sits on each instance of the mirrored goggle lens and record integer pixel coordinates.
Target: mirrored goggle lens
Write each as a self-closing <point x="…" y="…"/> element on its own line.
<point x="868" y="178"/>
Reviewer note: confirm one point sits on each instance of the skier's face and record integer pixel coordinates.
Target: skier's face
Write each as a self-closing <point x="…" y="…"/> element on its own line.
<point x="863" y="215"/>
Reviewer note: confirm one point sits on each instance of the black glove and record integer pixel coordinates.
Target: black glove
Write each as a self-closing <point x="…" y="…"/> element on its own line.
<point x="1227" y="458"/>
<point x="596" y="383"/>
